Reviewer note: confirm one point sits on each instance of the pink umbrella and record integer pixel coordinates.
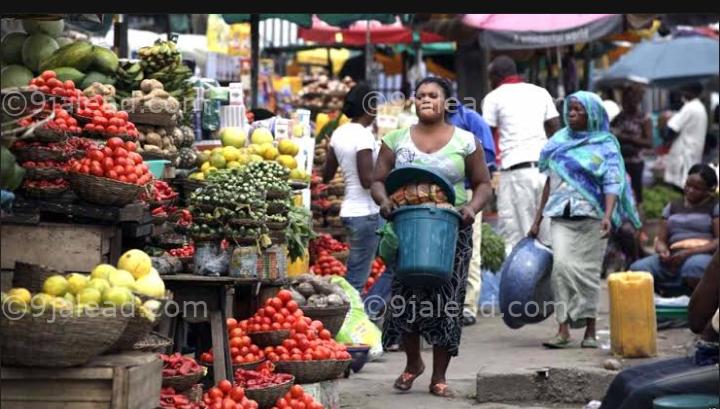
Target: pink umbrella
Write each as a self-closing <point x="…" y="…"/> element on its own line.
<point x="524" y="31"/>
<point x="357" y="33"/>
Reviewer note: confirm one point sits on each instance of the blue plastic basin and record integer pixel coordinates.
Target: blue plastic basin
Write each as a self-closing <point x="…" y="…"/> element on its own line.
<point x="157" y="167"/>
<point x="694" y="401"/>
<point x="427" y="238"/>
<point x="525" y="291"/>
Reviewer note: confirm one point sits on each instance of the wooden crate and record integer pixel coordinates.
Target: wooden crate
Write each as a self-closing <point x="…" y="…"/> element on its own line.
<point x="65" y="247"/>
<point x="124" y="381"/>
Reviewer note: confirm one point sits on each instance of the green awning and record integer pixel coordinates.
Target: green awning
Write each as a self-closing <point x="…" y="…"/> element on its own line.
<point x="428" y="49"/>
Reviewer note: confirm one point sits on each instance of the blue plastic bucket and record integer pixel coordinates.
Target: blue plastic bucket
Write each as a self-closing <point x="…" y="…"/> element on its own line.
<point x="694" y="401"/>
<point x="157" y="167"/>
<point x="427" y="238"/>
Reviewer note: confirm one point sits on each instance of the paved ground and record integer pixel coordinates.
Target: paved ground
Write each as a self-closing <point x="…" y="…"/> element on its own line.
<point x="491" y="355"/>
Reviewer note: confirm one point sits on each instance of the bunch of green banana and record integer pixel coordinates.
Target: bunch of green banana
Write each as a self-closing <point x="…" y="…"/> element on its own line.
<point x="128" y="77"/>
<point x="158" y="56"/>
<point x="163" y="62"/>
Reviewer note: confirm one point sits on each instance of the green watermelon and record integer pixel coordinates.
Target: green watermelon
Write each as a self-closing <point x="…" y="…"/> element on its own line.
<point x="36" y="49"/>
<point x="15" y="76"/>
<point x="11" y="47"/>
<point x="53" y="28"/>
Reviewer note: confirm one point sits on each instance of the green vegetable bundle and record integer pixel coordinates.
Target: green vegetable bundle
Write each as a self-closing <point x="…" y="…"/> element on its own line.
<point x="656" y="198"/>
<point x="492" y="249"/>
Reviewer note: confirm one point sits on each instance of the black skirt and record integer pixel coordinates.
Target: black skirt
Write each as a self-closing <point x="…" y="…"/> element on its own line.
<point x="434" y="313"/>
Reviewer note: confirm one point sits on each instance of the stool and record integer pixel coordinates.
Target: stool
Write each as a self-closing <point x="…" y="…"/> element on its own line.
<point x="695" y="401"/>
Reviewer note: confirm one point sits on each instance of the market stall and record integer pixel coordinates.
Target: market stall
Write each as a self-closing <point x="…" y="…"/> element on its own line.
<point x="112" y="205"/>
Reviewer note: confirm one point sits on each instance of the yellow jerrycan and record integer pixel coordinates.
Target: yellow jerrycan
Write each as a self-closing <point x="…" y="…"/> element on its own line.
<point x="633" y="325"/>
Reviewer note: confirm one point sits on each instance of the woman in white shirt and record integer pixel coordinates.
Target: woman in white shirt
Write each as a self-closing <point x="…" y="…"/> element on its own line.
<point x="354" y="148"/>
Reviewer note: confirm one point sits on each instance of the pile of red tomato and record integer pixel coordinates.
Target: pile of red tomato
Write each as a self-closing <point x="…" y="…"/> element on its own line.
<point x="117" y="160"/>
<point x="327" y="265"/>
<point x="48" y="164"/>
<point x="297" y="398"/>
<point x="280" y="312"/>
<point x="226" y="396"/>
<point x="187" y="250"/>
<point x="308" y="340"/>
<point x="62" y="121"/>
<point x="328" y="243"/>
<point x="377" y="269"/>
<point x="261" y="378"/>
<point x="242" y="350"/>
<point x="48" y="83"/>
<point x="106" y="120"/>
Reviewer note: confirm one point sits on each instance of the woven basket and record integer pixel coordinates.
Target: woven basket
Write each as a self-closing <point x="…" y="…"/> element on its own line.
<point x="183" y="382"/>
<point x="39" y="154"/>
<point x="248" y="366"/>
<point x="342" y="256"/>
<point x="138" y="327"/>
<point x="153" y="342"/>
<point x="269" y="338"/>
<point x="43" y="173"/>
<point x="104" y="191"/>
<point x="266" y="397"/>
<point x="331" y="317"/>
<point x="313" y="371"/>
<point x="276" y="225"/>
<point x="31" y="276"/>
<point x="157" y="156"/>
<point x="45" y="193"/>
<point x="245" y="222"/>
<point x="194" y="393"/>
<point x="277" y="194"/>
<point x="82" y="120"/>
<point x="48" y="135"/>
<point x="277" y="208"/>
<point x="153" y="118"/>
<point x="56" y="341"/>
<point x="297" y="185"/>
<point x="105" y="136"/>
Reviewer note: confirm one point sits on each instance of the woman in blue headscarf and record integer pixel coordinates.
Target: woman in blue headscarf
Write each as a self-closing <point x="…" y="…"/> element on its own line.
<point x="586" y="195"/>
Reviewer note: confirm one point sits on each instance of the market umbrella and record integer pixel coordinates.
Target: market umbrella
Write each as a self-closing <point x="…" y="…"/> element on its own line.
<point x="667" y="62"/>
<point x="527" y="31"/>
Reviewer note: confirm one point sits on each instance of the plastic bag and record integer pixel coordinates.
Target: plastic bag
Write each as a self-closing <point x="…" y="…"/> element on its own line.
<point x="388" y="246"/>
<point x="490" y="289"/>
<point x="243" y="262"/>
<point x="211" y="260"/>
<point x="357" y="328"/>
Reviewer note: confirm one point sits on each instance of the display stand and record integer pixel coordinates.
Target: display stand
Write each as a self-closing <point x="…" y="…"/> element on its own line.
<point x="127" y="380"/>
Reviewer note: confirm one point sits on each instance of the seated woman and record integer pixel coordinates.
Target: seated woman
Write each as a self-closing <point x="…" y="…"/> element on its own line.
<point x="687" y="237"/>
<point x="637" y="387"/>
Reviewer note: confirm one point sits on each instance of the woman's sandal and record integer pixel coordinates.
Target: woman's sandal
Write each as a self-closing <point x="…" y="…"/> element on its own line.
<point x="589" y="343"/>
<point x="557" y="342"/>
<point x="405" y="381"/>
<point x="442" y="390"/>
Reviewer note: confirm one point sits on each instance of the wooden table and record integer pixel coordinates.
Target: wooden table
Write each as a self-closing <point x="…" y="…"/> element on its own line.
<point x="217" y="294"/>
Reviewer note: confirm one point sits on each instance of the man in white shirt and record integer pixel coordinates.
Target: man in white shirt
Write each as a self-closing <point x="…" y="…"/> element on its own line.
<point x="688" y="129"/>
<point x="525" y="116"/>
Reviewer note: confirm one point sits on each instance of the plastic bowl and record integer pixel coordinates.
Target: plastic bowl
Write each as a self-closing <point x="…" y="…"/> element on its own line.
<point x="359" y="354"/>
<point x="157" y="167"/>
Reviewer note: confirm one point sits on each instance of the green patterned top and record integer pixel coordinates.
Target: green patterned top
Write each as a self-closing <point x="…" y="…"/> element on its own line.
<point x="448" y="161"/>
